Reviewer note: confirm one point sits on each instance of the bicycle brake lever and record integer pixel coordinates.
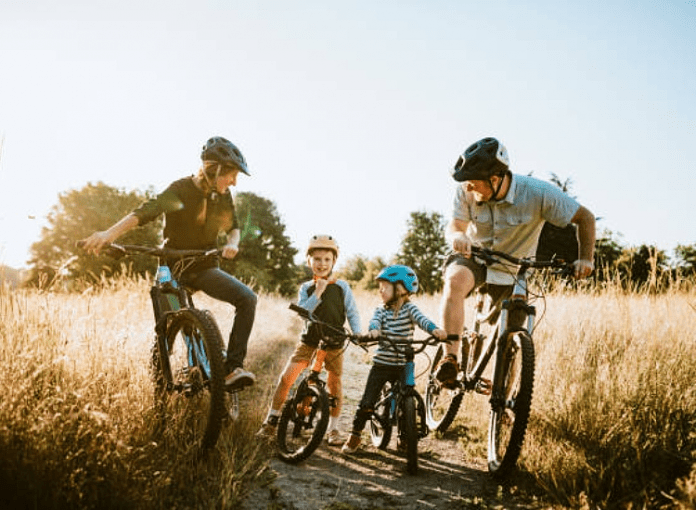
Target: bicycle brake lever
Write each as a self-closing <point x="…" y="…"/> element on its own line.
<point x="115" y="251"/>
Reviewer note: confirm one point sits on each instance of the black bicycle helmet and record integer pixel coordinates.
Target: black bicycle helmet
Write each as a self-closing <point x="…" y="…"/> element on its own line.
<point x="481" y="161"/>
<point x="223" y="151"/>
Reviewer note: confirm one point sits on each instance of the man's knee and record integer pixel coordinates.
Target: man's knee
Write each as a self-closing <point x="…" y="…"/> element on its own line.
<point x="459" y="281"/>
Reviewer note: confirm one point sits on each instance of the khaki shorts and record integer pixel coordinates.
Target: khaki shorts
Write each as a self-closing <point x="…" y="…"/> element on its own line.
<point x="333" y="362"/>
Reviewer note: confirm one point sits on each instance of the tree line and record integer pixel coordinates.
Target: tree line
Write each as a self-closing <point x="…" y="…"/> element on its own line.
<point x="266" y="258"/>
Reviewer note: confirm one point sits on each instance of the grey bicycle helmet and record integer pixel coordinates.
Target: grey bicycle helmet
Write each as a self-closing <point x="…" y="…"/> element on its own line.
<point x="481" y="161"/>
<point x="223" y="151"/>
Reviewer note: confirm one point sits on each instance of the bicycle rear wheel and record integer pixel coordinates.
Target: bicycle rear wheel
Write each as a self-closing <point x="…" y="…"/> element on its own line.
<point x="441" y="404"/>
<point x="380" y="421"/>
<point x="189" y="379"/>
<point x="510" y="404"/>
<point x="408" y="432"/>
<point x="303" y="422"/>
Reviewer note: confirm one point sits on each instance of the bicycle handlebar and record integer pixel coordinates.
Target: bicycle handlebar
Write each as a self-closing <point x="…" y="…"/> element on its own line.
<point x="366" y="341"/>
<point x="491" y="256"/>
<point x="119" y="250"/>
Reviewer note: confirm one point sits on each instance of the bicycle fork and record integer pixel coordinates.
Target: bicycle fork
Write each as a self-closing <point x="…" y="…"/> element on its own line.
<point x="409" y="390"/>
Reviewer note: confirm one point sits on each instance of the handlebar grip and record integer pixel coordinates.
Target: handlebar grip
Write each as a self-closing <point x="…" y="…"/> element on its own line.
<point x="303" y="312"/>
<point x="452" y="337"/>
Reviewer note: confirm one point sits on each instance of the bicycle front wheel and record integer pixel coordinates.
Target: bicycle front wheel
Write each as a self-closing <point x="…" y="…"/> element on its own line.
<point x="408" y="432"/>
<point x="303" y="423"/>
<point x="510" y="404"/>
<point x="380" y="421"/>
<point x="189" y="379"/>
<point x="441" y="404"/>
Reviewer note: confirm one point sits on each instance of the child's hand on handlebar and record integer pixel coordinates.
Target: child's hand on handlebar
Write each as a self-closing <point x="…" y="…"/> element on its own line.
<point x="374" y="333"/>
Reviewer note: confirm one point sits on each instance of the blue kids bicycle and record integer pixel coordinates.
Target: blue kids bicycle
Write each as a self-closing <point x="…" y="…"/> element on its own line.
<point x="401" y="406"/>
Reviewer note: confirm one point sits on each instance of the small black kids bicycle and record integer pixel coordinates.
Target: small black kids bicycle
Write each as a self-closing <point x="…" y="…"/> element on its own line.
<point x="501" y="332"/>
<point x="188" y="359"/>
<point x="305" y="415"/>
<point x="400" y="405"/>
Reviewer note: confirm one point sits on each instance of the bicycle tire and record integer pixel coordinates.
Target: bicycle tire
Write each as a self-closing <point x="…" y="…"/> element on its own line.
<point x="190" y="388"/>
<point x="408" y="432"/>
<point x="307" y="410"/>
<point x="380" y="420"/>
<point x="509" y="417"/>
<point x="441" y="404"/>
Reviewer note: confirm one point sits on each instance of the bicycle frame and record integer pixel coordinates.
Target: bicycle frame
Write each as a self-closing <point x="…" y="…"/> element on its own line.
<point x="403" y="386"/>
<point x="177" y="297"/>
<point x="524" y="316"/>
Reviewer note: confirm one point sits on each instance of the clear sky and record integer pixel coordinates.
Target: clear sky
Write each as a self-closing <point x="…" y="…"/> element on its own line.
<point x="350" y="114"/>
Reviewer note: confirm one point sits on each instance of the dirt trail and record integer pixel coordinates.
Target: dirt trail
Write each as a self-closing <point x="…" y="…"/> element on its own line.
<point x="376" y="479"/>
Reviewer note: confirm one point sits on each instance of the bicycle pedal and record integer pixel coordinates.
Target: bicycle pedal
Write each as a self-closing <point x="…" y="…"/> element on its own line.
<point x="483" y="386"/>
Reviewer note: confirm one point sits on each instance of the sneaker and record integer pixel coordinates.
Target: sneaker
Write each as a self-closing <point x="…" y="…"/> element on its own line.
<point x="267" y="430"/>
<point x="334" y="438"/>
<point x="352" y="445"/>
<point x="239" y="378"/>
<point x="446" y="371"/>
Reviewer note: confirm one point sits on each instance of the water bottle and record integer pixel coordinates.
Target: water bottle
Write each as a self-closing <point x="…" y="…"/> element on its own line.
<point x="164" y="275"/>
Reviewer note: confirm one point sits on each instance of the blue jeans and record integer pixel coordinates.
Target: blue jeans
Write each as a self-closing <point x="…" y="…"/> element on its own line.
<point x="221" y="285"/>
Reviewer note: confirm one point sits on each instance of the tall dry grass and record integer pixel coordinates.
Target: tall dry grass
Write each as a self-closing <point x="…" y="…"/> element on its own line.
<point x="614" y="410"/>
<point x="613" y="418"/>
<point x="76" y="415"/>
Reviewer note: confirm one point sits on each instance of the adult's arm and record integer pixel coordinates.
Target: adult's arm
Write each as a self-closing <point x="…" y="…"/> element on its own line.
<point x="456" y="238"/>
<point x="98" y="240"/>
<point x="585" y="221"/>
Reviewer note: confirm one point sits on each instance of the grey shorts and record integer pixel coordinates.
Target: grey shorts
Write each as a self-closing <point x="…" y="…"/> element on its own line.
<point x="478" y="269"/>
<point x="497" y="292"/>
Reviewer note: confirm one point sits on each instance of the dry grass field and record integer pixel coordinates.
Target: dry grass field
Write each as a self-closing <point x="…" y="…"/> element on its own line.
<point x="613" y="425"/>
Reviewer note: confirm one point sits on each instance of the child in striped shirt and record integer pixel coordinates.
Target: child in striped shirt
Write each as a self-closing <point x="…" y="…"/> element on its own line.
<point x="396" y="319"/>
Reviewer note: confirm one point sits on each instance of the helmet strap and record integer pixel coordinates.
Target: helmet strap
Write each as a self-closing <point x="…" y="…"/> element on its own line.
<point x="212" y="186"/>
<point x="396" y="297"/>
<point x="498" y="188"/>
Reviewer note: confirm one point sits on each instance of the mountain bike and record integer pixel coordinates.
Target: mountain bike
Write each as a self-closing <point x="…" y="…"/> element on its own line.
<point x="401" y="406"/>
<point x="305" y="415"/>
<point x="501" y="332"/>
<point x="188" y="358"/>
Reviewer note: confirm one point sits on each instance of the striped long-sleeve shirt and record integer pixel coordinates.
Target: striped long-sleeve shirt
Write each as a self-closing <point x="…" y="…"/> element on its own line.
<point x="397" y="327"/>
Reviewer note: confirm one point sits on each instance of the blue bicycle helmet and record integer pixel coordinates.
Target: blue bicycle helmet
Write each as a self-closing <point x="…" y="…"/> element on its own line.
<point x="400" y="274"/>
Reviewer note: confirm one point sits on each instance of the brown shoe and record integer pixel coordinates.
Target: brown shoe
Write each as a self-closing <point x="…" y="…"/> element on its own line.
<point x="446" y="371"/>
<point x="334" y="438"/>
<point x="239" y="378"/>
<point x="352" y="444"/>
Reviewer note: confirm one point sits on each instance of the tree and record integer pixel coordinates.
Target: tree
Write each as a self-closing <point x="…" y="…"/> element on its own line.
<point x="423" y="248"/>
<point x="643" y="265"/>
<point x="266" y="254"/>
<point x="372" y="269"/>
<point x="686" y="258"/>
<point x="607" y="254"/>
<point x="353" y="269"/>
<point x="79" y="213"/>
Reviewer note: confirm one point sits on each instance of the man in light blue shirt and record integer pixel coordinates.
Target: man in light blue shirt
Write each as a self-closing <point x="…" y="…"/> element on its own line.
<point x="497" y="209"/>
